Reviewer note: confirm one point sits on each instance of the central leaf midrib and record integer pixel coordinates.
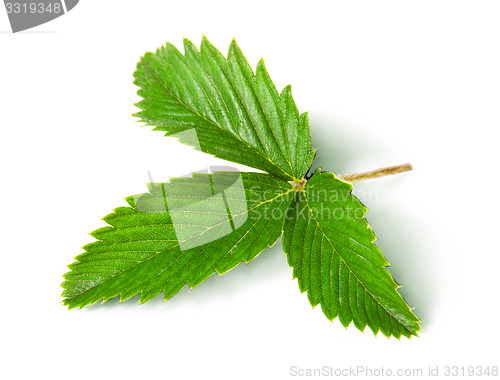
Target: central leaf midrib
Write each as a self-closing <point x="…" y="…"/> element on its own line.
<point x="262" y="112"/>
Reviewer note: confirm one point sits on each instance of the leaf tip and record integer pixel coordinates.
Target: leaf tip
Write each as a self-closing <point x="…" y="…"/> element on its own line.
<point x="205" y="41"/>
<point x="189" y="47"/>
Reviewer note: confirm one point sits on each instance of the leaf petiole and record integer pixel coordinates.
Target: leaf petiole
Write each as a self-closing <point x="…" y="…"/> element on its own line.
<point x="375" y="173"/>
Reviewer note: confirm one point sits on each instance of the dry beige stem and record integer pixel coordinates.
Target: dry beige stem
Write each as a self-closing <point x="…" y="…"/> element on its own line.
<point x="375" y="173"/>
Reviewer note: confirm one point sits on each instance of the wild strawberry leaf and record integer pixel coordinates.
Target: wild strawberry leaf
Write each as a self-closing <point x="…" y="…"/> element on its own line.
<point x="179" y="233"/>
<point x="184" y="231"/>
<point x="330" y="247"/>
<point x="238" y="115"/>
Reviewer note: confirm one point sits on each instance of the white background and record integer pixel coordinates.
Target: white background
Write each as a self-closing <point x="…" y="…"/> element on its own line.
<point x="385" y="82"/>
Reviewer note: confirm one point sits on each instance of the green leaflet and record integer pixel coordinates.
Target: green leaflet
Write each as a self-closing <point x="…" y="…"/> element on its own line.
<point x="223" y="219"/>
<point x="330" y="247"/>
<point x="183" y="231"/>
<point x="237" y="115"/>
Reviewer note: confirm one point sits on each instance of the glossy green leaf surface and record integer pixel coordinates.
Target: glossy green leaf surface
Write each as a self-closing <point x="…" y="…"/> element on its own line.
<point x="179" y="233"/>
<point x="330" y="247"/>
<point x="237" y="115"/>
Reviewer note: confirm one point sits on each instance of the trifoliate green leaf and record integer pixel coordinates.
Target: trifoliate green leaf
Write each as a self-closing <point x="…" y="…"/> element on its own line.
<point x="330" y="247"/>
<point x="179" y="233"/>
<point x="183" y="231"/>
<point x="222" y="107"/>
